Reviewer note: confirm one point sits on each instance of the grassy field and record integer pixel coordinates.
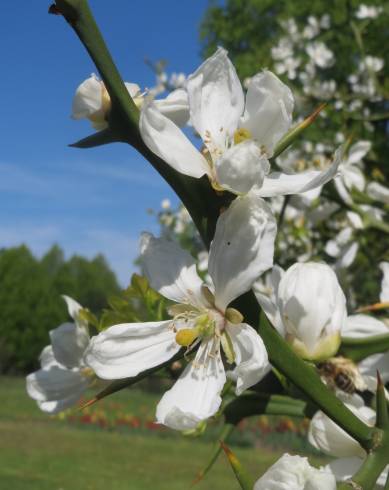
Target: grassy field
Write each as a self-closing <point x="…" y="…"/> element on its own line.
<point x="41" y="453"/>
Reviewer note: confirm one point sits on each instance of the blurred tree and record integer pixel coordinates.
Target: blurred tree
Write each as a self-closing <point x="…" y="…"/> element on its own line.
<point x="30" y="299"/>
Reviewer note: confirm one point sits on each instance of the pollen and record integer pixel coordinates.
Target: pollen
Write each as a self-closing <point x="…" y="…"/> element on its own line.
<point x="241" y="135"/>
<point x="187" y="336"/>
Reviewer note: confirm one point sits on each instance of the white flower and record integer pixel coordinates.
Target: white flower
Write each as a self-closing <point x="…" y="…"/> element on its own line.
<point x="63" y="376"/>
<point x="328" y="437"/>
<point x="92" y="101"/>
<point x="371" y="63"/>
<point x="295" y="473"/>
<point x="312" y="308"/>
<point x="320" y="54"/>
<point x="239" y="135"/>
<point x="350" y="174"/>
<point x="288" y="66"/>
<point x="343" y="247"/>
<point x="378" y="192"/>
<point x="282" y="50"/>
<point x="384" y="294"/>
<point x="368" y="11"/>
<point x="241" y="251"/>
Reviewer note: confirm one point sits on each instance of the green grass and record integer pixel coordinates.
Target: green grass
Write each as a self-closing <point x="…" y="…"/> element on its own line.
<point x="40" y="453"/>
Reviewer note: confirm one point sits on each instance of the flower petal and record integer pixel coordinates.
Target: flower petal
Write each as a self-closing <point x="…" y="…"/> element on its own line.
<point x="378" y="192"/>
<point x="56" y="383"/>
<point x="73" y="307"/>
<point x="195" y="396"/>
<point x="384" y="294"/>
<point x="358" y="151"/>
<point x="252" y="362"/>
<point x="268" y="111"/>
<point x="56" y="406"/>
<point x="361" y="326"/>
<point x="127" y="349"/>
<point x="167" y="141"/>
<point x="69" y="343"/>
<point x="265" y="291"/>
<point x="241" y="167"/>
<point x="216" y="99"/>
<point x="175" y="106"/>
<point x="345" y="468"/>
<point x="242" y="248"/>
<point x="278" y="183"/>
<point x="88" y="98"/>
<point x="47" y="358"/>
<point x="327" y="436"/>
<point x="171" y="270"/>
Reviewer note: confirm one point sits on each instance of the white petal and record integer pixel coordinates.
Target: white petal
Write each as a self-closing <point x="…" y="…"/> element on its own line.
<point x="265" y="291"/>
<point x="73" y="307"/>
<point x="167" y="141"/>
<point x="171" y="270"/>
<point x="133" y="89"/>
<point x="195" y="396"/>
<point x="57" y="406"/>
<point x="360" y="326"/>
<point x="295" y="473"/>
<point x="242" y="248"/>
<point x="69" y="343"/>
<point x="127" y="349"/>
<point x="358" y="151"/>
<point x="342" y="191"/>
<point x="377" y="362"/>
<point x="216" y="99"/>
<point x="327" y="436"/>
<point x="384" y="294"/>
<point x="88" y="98"/>
<point x="347" y="256"/>
<point x="47" y="358"/>
<point x="175" y="106"/>
<point x="277" y="183"/>
<point x="378" y="192"/>
<point x="251" y="359"/>
<point x="345" y="468"/>
<point x="268" y="111"/>
<point x="353" y="178"/>
<point x="55" y="383"/>
<point x="241" y="167"/>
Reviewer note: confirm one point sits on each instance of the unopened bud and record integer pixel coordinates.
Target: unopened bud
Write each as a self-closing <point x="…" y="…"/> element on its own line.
<point x="312" y="308"/>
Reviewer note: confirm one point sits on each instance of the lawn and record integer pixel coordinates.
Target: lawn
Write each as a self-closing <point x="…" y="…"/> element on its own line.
<point x="41" y="453"/>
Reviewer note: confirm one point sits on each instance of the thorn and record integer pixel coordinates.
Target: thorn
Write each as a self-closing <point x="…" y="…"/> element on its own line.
<point x="380" y="384"/>
<point x="53" y="9"/>
<point x="374" y="307"/>
<point x="89" y="403"/>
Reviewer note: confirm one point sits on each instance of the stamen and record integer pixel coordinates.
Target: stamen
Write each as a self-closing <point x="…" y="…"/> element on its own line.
<point x="241" y="135"/>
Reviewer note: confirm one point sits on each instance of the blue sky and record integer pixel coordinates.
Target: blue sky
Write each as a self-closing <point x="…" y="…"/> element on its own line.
<point x="88" y="201"/>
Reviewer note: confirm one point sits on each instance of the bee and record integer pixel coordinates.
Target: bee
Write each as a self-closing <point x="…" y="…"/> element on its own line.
<point x="341" y="373"/>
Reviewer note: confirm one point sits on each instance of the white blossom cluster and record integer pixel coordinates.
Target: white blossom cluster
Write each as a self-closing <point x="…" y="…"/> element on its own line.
<point x="306" y="305"/>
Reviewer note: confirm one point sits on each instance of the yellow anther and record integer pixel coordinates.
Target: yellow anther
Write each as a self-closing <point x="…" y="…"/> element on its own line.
<point x="242" y="134"/>
<point x="187" y="336"/>
<point x="234" y="316"/>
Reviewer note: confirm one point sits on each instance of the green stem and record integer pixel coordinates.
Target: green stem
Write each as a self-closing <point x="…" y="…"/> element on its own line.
<point x="358" y="349"/>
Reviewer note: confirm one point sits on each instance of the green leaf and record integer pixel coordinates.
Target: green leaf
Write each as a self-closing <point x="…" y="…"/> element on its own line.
<point x="359" y="349"/>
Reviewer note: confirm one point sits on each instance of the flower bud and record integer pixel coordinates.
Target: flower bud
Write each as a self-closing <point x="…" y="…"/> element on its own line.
<point x="312" y="309"/>
<point x="92" y="101"/>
